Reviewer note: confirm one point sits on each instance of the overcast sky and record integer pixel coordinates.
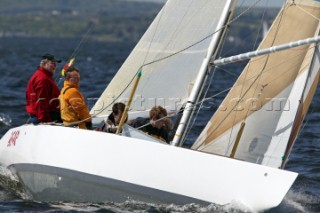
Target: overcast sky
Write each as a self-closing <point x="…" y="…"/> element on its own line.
<point x="274" y="3"/>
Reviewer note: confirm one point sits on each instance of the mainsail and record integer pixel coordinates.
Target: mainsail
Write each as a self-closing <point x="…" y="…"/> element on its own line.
<point x="170" y="55"/>
<point x="272" y="95"/>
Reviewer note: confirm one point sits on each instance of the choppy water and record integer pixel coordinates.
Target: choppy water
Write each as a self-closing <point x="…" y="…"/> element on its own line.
<point x="98" y="62"/>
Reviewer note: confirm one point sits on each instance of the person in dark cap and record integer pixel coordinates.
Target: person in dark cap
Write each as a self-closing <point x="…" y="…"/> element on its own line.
<point x="42" y="94"/>
<point x="50" y="58"/>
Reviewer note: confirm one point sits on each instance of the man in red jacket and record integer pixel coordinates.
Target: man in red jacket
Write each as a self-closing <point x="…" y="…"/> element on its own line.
<point x="42" y="94"/>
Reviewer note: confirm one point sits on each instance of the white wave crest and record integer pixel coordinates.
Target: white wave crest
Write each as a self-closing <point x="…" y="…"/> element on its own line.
<point x="5" y="119"/>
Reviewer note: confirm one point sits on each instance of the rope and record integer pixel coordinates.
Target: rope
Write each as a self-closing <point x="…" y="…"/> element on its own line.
<point x="257" y="77"/>
<point x="175" y="53"/>
<point x="134" y="76"/>
<point x="198" y="111"/>
<point x="161" y="59"/>
<point x="203" y="39"/>
<point x="254" y="77"/>
<point x="245" y="92"/>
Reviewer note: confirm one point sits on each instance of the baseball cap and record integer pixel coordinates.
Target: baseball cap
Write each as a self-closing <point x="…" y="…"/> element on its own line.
<point x="50" y="58"/>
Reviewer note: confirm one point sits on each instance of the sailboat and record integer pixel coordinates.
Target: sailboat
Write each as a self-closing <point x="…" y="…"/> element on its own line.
<point x="240" y="155"/>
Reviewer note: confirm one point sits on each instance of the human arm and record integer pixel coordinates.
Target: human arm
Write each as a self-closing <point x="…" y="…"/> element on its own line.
<point x="43" y="94"/>
<point x="76" y="100"/>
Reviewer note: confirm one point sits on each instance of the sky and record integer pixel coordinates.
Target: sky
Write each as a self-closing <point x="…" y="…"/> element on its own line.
<point x="271" y="3"/>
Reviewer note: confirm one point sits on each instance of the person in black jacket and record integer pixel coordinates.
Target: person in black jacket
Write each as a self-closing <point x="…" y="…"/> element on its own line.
<point x="158" y="126"/>
<point x="113" y="120"/>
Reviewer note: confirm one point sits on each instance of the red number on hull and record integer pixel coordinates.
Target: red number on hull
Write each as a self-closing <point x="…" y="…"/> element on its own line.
<point x="13" y="138"/>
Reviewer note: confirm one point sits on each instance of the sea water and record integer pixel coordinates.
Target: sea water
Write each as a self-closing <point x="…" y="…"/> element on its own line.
<point x="98" y="62"/>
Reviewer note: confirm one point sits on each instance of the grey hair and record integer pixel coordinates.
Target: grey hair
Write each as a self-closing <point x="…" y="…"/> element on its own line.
<point x="43" y="62"/>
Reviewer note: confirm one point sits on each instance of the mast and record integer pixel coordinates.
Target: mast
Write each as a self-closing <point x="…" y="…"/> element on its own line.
<point x="202" y="76"/>
<point x="270" y="95"/>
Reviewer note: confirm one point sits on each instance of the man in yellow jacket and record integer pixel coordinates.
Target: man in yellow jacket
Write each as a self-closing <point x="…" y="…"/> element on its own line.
<point x="74" y="111"/>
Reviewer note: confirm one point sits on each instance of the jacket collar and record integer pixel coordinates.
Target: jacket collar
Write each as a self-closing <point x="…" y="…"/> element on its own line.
<point x="46" y="72"/>
<point x="69" y="84"/>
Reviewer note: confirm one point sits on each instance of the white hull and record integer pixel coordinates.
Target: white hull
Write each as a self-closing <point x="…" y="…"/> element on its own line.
<point x="59" y="163"/>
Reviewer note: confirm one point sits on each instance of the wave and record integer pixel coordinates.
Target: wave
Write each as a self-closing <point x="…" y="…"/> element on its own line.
<point x="137" y="206"/>
<point x="10" y="187"/>
<point x="301" y="200"/>
<point x="5" y="119"/>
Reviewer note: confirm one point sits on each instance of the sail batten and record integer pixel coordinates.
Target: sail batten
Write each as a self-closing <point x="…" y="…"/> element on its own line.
<point x="275" y="85"/>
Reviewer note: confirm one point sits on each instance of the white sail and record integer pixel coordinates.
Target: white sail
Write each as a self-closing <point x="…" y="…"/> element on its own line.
<point x="272" y="94"/>
<point x="173" y="56"/>
<point x="171" y="53"/>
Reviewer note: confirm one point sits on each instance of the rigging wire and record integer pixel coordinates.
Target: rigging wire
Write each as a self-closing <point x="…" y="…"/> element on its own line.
<point x="308" y="114"/>
<point x="205" y="93"/>
<point x="200" y="103"/>
<point x="165" y="58"/>
<point x="264" y="70"/>
<point x="155" y="61"/>
<point x="205" y="38"/>
<point x="200" y="107"/>
<point x="230" y="141"/>
<point x="307" y="119"/>
<point x="228" y="89"/>
<point x="73" y="55"/>
<point x="253" y="77"/>
<point x="135" y="75"/>
<point x="318" y="99"/>
<point x="266" y="61"/>
<point x="278" y="28"/>
<point x="78" y="48"/>
<point x="244" y="38"/>
<point x="178" y="52"/>
<point x="82" y="41"/>
<point x="169" y="56"/>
